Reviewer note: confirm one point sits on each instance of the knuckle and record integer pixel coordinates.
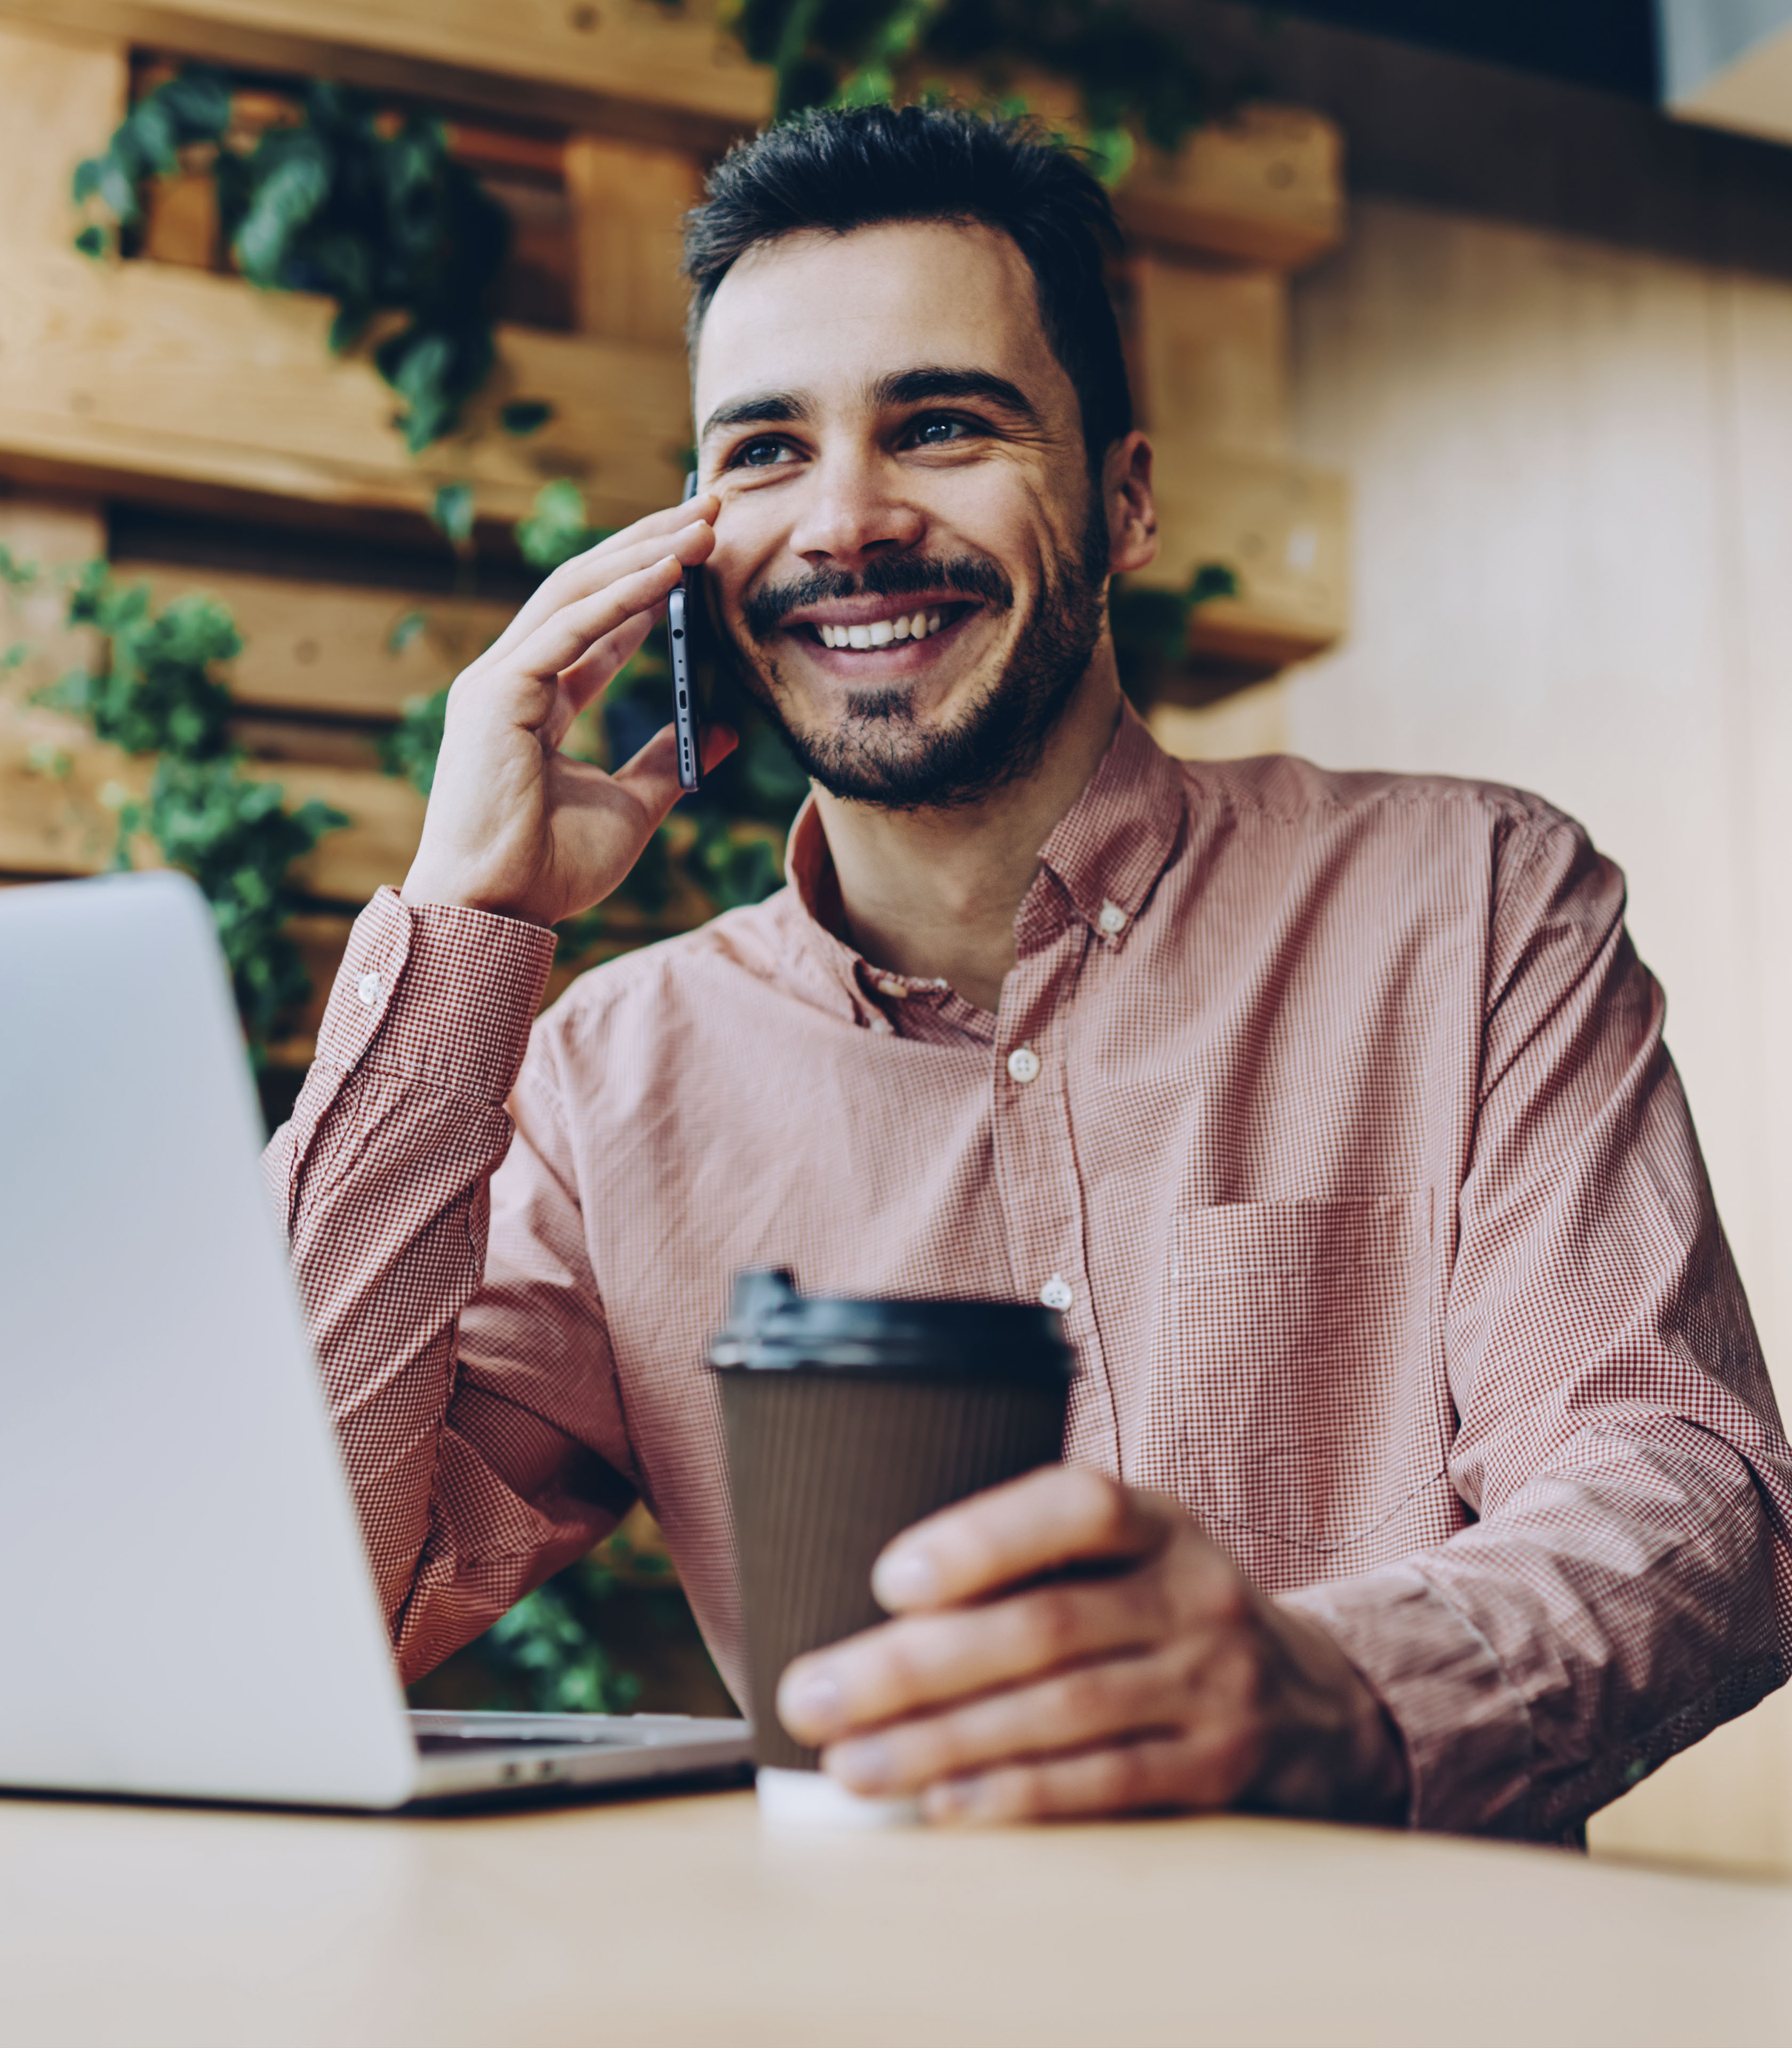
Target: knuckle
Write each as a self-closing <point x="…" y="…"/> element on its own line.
<point x="1084" y="1695"/>
<point x="1100" y="1506"/>
<point x="1123" y="1776"/>
<point x="1049" y="1628"/>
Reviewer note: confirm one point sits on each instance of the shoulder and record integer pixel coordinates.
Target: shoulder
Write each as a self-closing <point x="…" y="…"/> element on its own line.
<point x="1283" y="788"/>
<point x="694" y="971"/>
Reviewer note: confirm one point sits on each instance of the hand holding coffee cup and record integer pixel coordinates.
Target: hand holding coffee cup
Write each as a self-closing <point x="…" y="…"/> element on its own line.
<point x="847" y="1422"/>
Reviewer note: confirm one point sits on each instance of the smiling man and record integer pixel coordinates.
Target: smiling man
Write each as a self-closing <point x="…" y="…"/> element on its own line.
<point x="1422" y="1463"/>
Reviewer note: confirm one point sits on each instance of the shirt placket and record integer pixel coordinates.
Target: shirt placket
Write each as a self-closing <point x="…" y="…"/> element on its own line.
<point x="1040" y="1190"/>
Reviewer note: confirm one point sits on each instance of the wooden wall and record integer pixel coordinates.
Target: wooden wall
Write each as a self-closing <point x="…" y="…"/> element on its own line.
<point x="160" y="411"/>
<point x="1572" y="571"/>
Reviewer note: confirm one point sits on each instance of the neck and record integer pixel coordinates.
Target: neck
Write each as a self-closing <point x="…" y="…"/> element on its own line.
<point x="929" y="894"/>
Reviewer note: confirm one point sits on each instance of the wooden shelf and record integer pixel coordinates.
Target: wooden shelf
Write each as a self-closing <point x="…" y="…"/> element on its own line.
<point x="143" y="371"/>
<point x="629" y="67"/>
<point x="322" y="648"/>
<point x="1284" y="531"/>
<point x="1265" y="187"/>
<point x="152" y="376"/>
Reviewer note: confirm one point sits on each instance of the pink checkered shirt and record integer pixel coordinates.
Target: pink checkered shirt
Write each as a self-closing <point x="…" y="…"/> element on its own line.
<point x="1332" y="1108"/>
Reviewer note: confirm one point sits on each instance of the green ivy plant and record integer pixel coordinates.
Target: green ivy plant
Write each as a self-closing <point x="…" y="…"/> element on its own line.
<point x="156" y="693"/>
<point x="1132" y="78"/>
<point x="377" y="217"/>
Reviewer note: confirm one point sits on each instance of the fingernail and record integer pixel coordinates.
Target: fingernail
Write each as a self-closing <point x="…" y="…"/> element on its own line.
<point x="865" y="1766"/>
<point x="808" y="1703"/>
<point x="908" y="1578"/>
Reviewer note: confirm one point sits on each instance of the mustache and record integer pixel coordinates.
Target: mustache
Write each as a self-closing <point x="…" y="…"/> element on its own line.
<point x="900" y="575"/>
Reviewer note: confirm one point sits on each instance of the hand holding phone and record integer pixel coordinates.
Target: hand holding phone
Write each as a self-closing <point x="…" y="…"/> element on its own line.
<point x="683" y="609"/>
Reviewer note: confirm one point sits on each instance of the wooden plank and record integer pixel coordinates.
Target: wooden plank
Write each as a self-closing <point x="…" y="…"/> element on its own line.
<point x="144" y="372"/>
<point x="1284" y="531"/>
<point x="631" y="67"/>
<point x="45" y="533"/>
<point x="60" y="789"/>
<point x="324" y="648"/>
<point x="628" y="201"/>
<point x="1208" y="347"/>
<point x="1265" y="187"/>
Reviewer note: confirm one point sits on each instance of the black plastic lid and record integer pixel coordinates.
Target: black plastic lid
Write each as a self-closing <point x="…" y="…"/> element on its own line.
<point x="773" y="1328"/>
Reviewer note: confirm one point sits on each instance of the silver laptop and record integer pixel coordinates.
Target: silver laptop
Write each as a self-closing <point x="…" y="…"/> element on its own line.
<point x="185" y="1605"/>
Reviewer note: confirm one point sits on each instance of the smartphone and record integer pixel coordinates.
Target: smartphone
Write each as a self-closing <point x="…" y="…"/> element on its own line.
<point x="683" y="609"/>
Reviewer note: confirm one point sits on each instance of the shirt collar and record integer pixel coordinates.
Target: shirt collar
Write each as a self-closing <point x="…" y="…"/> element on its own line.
<point x="1105" y="856"/>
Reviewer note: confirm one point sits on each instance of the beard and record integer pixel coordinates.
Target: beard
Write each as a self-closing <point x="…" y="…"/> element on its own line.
<point x="879" y="752"/>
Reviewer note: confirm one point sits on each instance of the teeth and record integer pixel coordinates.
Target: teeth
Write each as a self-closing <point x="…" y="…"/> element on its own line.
<point x="881" y="632"/>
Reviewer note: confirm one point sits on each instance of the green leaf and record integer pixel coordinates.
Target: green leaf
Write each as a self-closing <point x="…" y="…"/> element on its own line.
<point x="525" y="416"/>
<point x="453" y="512"/>
<point x="411" y="748"/>
<point x="408" y="629"/>
<point x="1212" y="579"/>
<point x="558" y="527"/>
<point x="92" y="242"/>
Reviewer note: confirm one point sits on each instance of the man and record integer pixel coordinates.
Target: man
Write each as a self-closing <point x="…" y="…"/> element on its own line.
<point x="1420" y="1429"/>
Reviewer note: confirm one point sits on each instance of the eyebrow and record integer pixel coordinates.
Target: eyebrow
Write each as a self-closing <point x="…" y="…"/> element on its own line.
<point x="902" y="387"/>
<point x="785" y="405"/>
<point x="916" y="387"/>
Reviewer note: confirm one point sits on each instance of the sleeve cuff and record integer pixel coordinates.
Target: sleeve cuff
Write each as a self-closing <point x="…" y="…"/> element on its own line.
<point x="1467" y="1731"/>
<point x="439" y="995"/>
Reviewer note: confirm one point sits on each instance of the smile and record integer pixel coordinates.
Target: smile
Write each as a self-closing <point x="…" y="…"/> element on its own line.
<point x="862" y="635"/>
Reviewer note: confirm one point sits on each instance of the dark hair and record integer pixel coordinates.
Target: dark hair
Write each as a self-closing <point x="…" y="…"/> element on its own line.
<point x="842" y="168"/>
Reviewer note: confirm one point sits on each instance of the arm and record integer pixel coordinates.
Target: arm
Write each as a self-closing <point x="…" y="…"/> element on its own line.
<point x="1628" y="1584"/>
<point x="471" y="1486"/>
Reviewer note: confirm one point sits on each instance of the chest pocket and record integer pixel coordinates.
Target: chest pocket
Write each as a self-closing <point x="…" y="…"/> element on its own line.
<point x="1294" y="1401"/>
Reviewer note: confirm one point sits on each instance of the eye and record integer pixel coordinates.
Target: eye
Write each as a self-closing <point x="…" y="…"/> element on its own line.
<point x="761" y="454"/>
<point x="938" y="430"/>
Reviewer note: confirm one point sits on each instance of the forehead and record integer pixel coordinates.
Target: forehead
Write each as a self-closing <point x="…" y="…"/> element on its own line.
<point x="831" y="315"/>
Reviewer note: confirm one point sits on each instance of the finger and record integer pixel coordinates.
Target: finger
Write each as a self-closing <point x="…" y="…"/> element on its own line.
<point x="602" y="662"/>
<point x="923" y="1660"/>
<point x="1112" y="1696"/>
<point x="620" y="554"/>
<point x="1057" y="1516"/>
<point x="1184" y="1773"/>
<point x="575" y="628"/>
<point x="651" y="777"/>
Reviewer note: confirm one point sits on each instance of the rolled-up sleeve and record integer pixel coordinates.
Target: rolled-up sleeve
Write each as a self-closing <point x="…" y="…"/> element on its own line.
<point x="467" y="1496"/>
<point x="1627" y="1582"/>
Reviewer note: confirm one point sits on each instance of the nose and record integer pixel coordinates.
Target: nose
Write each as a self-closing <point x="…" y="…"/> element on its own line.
<point x="854" y="509"/>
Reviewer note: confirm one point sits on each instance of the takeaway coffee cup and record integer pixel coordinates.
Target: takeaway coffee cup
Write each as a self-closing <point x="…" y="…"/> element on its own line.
<point x="845" y="1422"/>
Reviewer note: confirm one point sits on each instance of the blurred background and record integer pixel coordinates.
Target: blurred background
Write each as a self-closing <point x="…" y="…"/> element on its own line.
<point x="1463" y="327"/>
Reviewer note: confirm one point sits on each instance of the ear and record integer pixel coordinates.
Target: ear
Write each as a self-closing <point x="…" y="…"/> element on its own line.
<point x="1132" y="511"/>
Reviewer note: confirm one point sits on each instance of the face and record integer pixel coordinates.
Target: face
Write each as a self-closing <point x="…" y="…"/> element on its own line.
<point x="911" y="558"/>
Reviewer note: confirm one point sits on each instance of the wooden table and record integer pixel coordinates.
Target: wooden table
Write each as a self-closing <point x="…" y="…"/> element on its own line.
<point x="679" y="1921"/>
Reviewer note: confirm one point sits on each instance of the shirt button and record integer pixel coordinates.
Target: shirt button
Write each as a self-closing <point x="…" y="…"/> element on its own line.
<point x="1057" y="1293"/>
<point x="1111" y="919"/>
<point x="1023" y="1064"/>
<point x="895" y="989"/>
<point x="368" y="988"/>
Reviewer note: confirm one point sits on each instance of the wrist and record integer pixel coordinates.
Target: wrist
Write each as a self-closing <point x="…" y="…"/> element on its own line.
<point x="1333" y="1752"/>
<point x="424" y="890"/>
